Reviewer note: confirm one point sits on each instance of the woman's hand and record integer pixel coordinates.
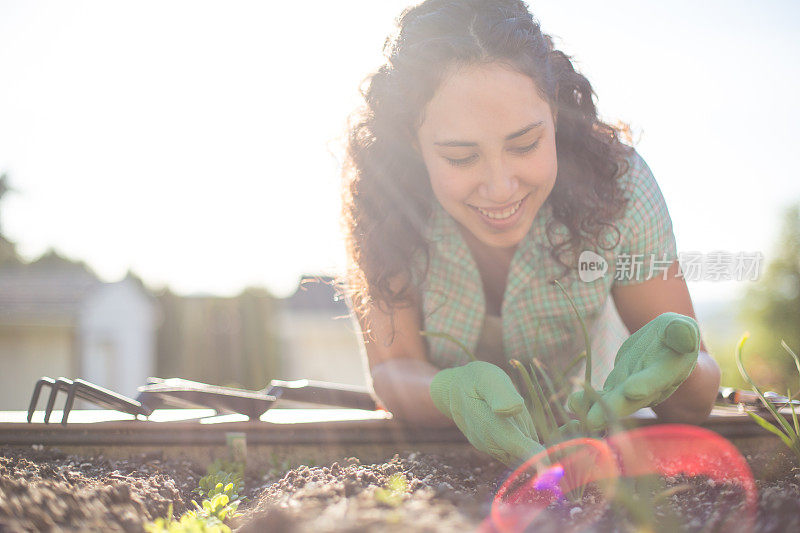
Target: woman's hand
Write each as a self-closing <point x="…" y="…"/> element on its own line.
<point x="481" y="399"/>
<point x="650" y="365"/>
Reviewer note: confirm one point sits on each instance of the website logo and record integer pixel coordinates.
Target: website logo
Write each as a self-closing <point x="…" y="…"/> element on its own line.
<point x="591" y="266"/>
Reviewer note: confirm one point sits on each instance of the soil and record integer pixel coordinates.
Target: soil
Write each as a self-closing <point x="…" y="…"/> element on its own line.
<point x="44" y="489"/>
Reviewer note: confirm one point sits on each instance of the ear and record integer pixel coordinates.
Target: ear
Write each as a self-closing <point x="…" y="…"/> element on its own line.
<point x="555" y="119"/>
<point x="415" y="145"/>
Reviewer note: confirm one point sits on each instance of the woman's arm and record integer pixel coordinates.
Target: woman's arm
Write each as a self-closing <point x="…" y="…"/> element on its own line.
<point x="401" y="374"/>
<point x="479" y="398"/>
<point x="639" y="304"/>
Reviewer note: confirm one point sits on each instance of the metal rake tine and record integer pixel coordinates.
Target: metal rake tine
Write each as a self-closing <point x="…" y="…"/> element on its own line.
<point x="109" y="399"/>
<point x="37" y="389"/>
<point x="77" y="388"/>
<point x="69" y="403"/>
<point x="60" y="383"/>
<point x="97" y="400"/>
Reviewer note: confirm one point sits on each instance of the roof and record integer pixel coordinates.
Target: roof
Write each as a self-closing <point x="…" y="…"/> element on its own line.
<point x="51" y="289"/>
<point x="317" y="293"/>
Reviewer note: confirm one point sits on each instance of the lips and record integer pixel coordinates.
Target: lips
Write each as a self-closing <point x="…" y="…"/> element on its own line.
<point x="502" y="213"/>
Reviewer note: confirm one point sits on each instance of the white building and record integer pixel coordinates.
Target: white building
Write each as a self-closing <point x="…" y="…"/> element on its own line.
<point x="57" y="319"/>
<point x="317" y="339"/>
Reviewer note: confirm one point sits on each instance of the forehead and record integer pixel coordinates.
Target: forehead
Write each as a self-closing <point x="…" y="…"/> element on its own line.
<point x="483" y="102"/>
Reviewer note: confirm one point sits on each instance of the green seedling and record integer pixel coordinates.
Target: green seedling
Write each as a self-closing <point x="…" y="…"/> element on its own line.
<point x="788" y="433"/>
<point x="545" y="397"/>
<point x="643" y="498"/>
<point x="220" y="491"/>
<point x="219" y="506"/>
<point x="392" y="494"/>
<point x="188" y="523"/>
<point x="209" y="484"/>
<point x="226" y="466"/>
<point x="551" y="421"/>
<point x="587" y="354"/>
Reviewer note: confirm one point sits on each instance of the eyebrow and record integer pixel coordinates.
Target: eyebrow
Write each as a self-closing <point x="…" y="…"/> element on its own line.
<point x="519" y="133"/>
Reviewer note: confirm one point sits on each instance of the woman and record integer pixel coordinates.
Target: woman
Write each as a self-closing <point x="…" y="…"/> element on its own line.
<point x="478" y="173"/>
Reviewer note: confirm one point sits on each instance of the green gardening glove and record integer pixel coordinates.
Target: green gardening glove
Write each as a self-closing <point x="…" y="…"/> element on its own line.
<point x="650" y="365"/>
<point x="481" y="399"/>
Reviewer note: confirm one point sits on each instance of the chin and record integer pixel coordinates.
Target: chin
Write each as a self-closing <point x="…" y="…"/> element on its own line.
<point x="508" y="238"/>
<point x="505" y="239"/>
<point x="502" y="241"/>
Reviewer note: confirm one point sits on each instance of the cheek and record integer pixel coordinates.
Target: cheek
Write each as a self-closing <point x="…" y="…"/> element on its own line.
<point x="449" y="186"/>
<point x="546" y="168"/>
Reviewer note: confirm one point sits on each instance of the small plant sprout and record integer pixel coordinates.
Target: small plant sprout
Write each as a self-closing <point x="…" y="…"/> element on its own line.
<point x="587" y="354"/>
<point x="219" y="507"/>
<point x="220" y="492"/>
<point x="393" y="493"/>
<point x="210" y="483"/>
<point x="543" y="396"/>
<point x="788" y="433"/>
<point x="188" y="523"/>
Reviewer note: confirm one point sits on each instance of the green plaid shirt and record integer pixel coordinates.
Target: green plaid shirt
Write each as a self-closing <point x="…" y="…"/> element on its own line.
<point x="538" y="320"/>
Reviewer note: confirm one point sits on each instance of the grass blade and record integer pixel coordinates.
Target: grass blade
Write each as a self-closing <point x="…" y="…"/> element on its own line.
<point x="587" y="342"/>
<point x="796" y="362"/>
<point x="611" y="417"/>
<point x="772" y="428"/>
<point x="563" y="377"/>
<point x="552" y="428"/>
<point x="563" y="416"/>
<point x="794" y="415"/>
<point x="787" y="429"/>
<point x="537" y="414"/>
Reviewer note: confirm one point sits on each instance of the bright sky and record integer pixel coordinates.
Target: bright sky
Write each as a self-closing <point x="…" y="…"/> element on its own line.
<point x="198" y="143"/>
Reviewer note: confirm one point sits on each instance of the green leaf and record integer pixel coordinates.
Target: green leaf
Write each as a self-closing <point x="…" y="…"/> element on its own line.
<point x="562" y="379"/>
<point x="392" y="494"/>
<point x="772" y="428"/>
<point x="796" y="361"/>
<point x="556" y="401"/>
<point x="537" y="413"/>
<point x="769" y="407"/>
<point x="586" y="340"/>
<point x="550" y="425"/>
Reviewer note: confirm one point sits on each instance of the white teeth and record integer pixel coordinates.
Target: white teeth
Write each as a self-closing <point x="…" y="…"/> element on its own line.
<point x="500" y="215"/>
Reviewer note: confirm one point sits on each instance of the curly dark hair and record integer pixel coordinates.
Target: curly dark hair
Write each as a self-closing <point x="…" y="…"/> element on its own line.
<point x="387" y="193"/>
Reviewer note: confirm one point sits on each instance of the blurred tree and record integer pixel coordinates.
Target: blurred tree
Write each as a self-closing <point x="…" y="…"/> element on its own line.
<point x="771" y="310"/>
<point x="8" y="251"/>
<point x="222" y="341"/>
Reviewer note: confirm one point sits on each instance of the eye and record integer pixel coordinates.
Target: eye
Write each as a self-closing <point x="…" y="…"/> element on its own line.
<point x="467" y="160"/>
<point x="526" y="149"/>
<point x="461" y="162"/>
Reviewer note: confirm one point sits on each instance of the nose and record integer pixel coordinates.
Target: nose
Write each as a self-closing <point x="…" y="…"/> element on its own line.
<point x="499" y="184"/>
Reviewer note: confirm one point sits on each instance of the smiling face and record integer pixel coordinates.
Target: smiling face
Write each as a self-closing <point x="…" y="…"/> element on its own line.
<point x="488" y="143"/>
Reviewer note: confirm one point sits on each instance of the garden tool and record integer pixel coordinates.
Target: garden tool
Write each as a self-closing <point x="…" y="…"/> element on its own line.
<point x="185" y="393"/>
<point x="86" y="391"/>
<point x="176" y="392"/>
<point x="731" y="396"/>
